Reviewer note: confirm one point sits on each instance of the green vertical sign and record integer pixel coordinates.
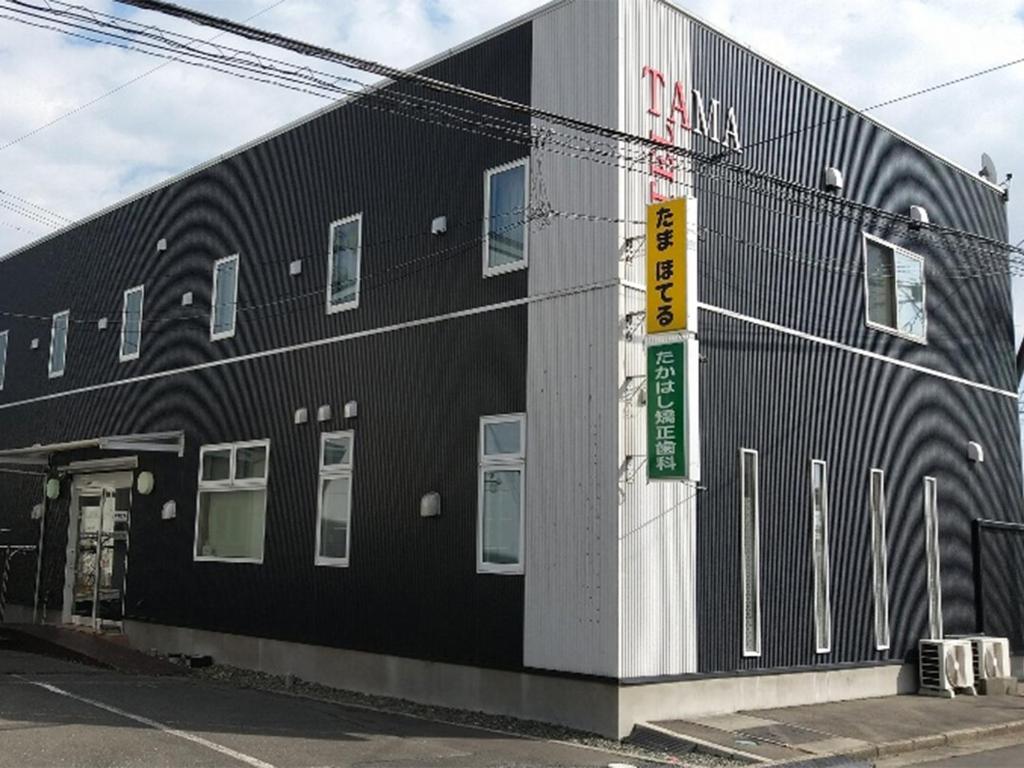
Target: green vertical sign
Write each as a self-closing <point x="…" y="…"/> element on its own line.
<point x="666" y="412"/>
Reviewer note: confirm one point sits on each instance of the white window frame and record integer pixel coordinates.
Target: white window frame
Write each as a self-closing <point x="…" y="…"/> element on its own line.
<point x="231" y="484"/>
<point x="879" y="559"/>
<point x="490" y="271"/>
<point x="753" y="549"/>
<point x="332" y="308"/>
<point x="932" y="546"/>
<point x="141" y="289"/>
<point x="215" y="336"/>
<point x="67" y="335"/>
<point x="821" y="647"/>
<point x="330" y="473"/>
<point x="922" y="339"/>
<point x="491" y="463"/>
<point x="5" y="335"/>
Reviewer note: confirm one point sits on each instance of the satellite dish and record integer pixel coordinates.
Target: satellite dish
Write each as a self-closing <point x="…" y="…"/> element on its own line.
<point x="988" y="168"/>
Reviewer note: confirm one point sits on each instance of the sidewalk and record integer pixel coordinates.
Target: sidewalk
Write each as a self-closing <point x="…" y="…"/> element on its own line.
<point x="864" y="729"/>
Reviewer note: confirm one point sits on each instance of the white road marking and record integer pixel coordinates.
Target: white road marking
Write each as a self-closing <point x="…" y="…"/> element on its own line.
<point x="240" y="756"/>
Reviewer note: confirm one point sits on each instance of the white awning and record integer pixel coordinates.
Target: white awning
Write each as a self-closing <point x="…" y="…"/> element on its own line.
<point x="152" y="442"/>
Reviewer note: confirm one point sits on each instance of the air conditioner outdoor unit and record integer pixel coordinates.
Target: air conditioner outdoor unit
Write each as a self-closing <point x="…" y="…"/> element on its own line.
<point x="991" y="656"/>
<point x="945" y="667"/>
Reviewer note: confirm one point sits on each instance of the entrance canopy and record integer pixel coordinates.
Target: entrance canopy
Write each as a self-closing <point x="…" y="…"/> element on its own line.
<point x="151" y="442"/>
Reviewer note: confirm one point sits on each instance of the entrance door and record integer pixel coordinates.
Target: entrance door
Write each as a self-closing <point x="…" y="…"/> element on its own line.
<point x="100" y="550"/>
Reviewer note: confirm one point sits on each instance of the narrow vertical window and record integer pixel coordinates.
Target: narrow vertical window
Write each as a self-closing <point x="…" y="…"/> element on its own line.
<point x="879" y="558"/>
<point x="750" y="543"/>
<point x="500" y="513"/>
<point x="131" y="323"/>
<point x="224" y="310"/>
<point x="819" y="550"/>
<point x="3" y="358"/>
<point x="931" y="543"/>
<point x="334" y="510"/>
<point x="344" y="255"/>
<point x="59" y="343"/>
<point x="505" y="230"/>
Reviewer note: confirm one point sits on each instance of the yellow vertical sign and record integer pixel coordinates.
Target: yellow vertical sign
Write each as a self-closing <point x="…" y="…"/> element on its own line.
<point x="666" y="266"/>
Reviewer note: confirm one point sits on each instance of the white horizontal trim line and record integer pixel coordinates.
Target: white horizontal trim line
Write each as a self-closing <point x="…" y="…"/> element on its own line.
<point x="855" y="350"/>
<point x="321" y="342"/>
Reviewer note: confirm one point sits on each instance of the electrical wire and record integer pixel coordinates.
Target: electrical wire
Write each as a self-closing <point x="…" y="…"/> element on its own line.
<point x="540" y="142"/>
<point x="117" y="89"/>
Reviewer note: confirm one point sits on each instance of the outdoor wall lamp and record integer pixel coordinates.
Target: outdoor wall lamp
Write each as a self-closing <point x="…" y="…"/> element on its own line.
<point x="145" y="482"/>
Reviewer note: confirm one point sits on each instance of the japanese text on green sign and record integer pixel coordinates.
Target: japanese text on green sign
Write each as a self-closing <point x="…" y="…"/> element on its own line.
<point x="666" y="412"/>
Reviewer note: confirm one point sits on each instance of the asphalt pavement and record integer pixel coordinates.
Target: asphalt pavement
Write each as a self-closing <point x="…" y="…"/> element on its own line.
<point x="54" y="712"/>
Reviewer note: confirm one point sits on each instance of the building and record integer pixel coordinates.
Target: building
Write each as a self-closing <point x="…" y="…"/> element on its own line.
<point x="345" y="408"/>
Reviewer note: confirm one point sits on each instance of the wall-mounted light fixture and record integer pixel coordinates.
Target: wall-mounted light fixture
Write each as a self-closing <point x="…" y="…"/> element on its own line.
<point x="430" y="504"/>
<point x="144" y="483"/>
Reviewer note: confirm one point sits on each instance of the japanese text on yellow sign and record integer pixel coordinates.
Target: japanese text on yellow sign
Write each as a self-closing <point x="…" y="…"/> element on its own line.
<point x="666" y="266"/>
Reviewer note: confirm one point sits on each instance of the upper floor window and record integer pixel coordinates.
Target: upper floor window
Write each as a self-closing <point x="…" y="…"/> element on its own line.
<point x="500" y="512"/>
<point x="343" y="258"/>
<point x="894" y="285"/>
<point x="3" y="357"/>
<point x="334" y="506"/>
<point x="131" y="323"/>
<point x="224" y="304"/>
<point x="505" y="230"/>
<point x="232" y="501"/>
<point x="59" y="343"/>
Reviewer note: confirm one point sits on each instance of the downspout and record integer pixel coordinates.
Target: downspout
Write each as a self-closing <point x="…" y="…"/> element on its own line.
<point x="1020" y="363"/>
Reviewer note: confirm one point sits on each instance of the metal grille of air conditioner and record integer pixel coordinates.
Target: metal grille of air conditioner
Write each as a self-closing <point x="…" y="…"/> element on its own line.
<point x="932" y="669"/>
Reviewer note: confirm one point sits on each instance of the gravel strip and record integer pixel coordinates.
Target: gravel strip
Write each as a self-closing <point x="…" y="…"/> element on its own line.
<point x="245" y="678"/>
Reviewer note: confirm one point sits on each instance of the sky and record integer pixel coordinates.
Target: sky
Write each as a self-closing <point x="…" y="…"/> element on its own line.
<point x="863" y="51"/>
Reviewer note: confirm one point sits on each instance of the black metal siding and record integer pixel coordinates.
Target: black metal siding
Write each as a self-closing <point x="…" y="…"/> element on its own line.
<point x="412" y="587"/>
<point x="794" y="399"/>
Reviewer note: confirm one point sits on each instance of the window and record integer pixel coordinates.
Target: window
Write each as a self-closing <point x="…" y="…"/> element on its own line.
<point x="232" y="503"/>
<point x="3" y="357"/>
<point x="505" y="230"/>
<point x="819" y="553"/>
<point x="225" y="298"/>
<point x="343" y="259"/>
<point x="334" y="500"/>
<point x="750" y="545"/>
<point x="131" y="324"/>
<point x="879" y="559"/>
<point x="500" y="513"/>
<point x="931" y="544"/>
<point x="894" y="285"/>
<point x="59" y="343"/>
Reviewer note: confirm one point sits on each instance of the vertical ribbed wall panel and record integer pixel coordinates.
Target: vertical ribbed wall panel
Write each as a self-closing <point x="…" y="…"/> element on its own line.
<point x="571" y="598"/>
<point x="657" y="536"/>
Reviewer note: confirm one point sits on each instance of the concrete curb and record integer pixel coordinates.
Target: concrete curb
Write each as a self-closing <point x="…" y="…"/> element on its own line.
<point x="890" y="748"/>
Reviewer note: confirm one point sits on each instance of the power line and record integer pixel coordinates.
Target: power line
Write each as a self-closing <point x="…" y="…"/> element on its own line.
<point x="886" y="103"/>
<point x="695" y="158"/>
<point x="544" y="138"/>
<point x="118" y="88"/>
<point x="443" y="86"/>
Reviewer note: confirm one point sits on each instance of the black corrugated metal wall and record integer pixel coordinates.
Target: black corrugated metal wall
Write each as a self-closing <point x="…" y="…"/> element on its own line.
<point x="794" y="399"/>
<point x="412" y="587"/>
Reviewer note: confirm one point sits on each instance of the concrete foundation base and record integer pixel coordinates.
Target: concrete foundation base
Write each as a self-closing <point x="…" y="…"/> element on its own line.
<point x="592" y="705"/>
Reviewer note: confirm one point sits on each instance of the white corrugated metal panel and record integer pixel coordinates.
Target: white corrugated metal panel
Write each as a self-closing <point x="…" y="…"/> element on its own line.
<point x="571" y="589"/>
<point x="657" y="520"/>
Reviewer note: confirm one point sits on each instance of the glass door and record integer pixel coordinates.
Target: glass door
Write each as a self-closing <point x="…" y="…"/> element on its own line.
<point x="101" y="555"/>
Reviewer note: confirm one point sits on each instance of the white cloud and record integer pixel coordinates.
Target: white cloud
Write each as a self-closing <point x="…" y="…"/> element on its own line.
<point x="864" y="51"/>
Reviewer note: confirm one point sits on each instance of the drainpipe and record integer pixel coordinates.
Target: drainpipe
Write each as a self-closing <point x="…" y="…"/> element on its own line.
<point x="1020" y="363"/>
